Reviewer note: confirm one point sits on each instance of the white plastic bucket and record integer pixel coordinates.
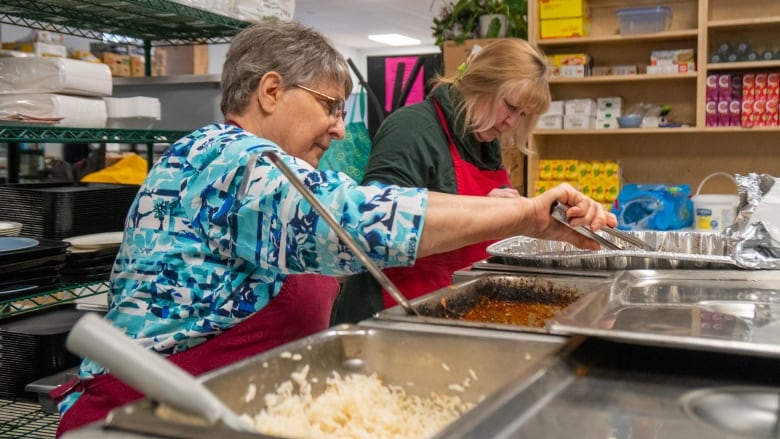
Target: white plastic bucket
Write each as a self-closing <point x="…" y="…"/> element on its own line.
<point x="714" y="212"/>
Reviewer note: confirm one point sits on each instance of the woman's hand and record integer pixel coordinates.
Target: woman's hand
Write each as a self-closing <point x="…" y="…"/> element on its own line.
<point x="583" y="211"/>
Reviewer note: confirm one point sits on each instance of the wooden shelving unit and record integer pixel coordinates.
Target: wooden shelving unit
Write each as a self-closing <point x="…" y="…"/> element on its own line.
<point x="664" y="155"/>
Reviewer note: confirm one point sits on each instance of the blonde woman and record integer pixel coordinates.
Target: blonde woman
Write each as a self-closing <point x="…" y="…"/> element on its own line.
<point x="452" y="143"/>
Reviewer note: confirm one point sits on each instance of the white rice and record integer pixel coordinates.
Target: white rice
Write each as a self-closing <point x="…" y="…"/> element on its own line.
<point x="355" y="406"/>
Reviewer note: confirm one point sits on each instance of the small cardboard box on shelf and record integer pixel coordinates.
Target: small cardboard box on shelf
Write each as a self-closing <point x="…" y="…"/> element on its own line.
<point x="456" y="53"/>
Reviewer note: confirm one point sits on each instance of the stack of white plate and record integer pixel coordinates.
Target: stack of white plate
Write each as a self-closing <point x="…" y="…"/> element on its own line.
<point x="10" y="228"/>
<point x="94" y="242"/>
<point x="90" y="257"/>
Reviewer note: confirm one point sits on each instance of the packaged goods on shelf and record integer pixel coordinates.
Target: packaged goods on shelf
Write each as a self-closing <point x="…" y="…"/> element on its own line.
<point x="118" y="64"/>
<point x="72" y="111"/>
<point x="599" y="180"/>
<point x="54" y="75"/>
<point x="670" y="57"/>
<point x="609" y="103"/>
<point x="139" y="112"/>
<point x="550" y="9"/>
<point x="570" y="64"/>
<point x="607" y="119"/>
<point x="550" y="122"/>
<point x="614" y="70"/>
<point x="564" y="27"/>
<point x="579" y="122"/>
<point x="38" y="49"/>
<point x="583" y="107"/>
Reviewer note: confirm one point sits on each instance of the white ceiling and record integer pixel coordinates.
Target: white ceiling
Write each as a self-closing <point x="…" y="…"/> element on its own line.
<point x="349" y="22"/>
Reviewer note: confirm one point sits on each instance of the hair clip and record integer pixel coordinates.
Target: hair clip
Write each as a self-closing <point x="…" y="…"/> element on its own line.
<point x="465" y="64"/>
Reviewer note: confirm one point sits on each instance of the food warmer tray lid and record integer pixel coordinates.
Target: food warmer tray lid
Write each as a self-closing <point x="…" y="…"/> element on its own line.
<point x="731" y="311"/>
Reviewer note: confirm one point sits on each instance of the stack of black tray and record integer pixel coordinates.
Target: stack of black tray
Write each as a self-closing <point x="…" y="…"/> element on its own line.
<point x="58" y="210"/>
<point x="29" y="266"/>
<point x="33" y="347"/>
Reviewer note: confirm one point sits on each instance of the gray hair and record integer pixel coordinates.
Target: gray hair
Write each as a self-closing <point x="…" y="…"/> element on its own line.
<point x="298" y="53"/>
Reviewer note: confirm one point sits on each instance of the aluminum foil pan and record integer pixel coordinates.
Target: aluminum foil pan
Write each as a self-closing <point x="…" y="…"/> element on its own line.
<point x="676" y="250"/>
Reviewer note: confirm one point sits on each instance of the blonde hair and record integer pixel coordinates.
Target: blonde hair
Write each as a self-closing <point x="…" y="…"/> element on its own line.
<point x="505" y="66"/>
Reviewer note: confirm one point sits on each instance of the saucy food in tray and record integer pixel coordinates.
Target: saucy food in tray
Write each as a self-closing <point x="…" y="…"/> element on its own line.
<point x="513" y="313"/>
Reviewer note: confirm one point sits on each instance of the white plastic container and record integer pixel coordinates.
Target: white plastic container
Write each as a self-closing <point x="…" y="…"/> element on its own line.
<point x="713" y="213"/>
<point x="644" y="20"/>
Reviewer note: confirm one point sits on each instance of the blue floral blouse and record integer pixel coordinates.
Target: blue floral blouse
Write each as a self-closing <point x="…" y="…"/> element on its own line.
<point x="216" y="228"/>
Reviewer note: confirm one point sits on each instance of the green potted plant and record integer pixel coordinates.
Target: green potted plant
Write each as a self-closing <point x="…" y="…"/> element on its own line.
<point x="456" y="21"/>
<point x="459" y="20"/>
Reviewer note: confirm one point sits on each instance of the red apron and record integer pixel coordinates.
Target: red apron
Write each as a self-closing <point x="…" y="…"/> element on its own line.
<point x="433" y="272"/>
<point x="300" y="309"/>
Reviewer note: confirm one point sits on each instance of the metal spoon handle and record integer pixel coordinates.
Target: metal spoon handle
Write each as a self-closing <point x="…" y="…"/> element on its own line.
<point x="383" y="280"/>
<point x="148" y="372"/>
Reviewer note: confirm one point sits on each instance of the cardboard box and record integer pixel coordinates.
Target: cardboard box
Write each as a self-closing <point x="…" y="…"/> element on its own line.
<point x="562" y="9"/>
<point x="455" y="54"/>
<point x="579" y="122"/>
<point x="137" y="65"/>
<point x="564" y="28"/>
<point x="582" y="107"/>
<point x="569" y="64"/>
<point x="118" y="64"/>
<point x="609" y="103"/>
<point x="186" y="60"/>
<point x="39" y="49"/>
<point x="550" y="122"/>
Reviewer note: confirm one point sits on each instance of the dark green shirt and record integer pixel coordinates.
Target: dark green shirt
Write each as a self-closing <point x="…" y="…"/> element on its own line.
<point x="411" y="149"/>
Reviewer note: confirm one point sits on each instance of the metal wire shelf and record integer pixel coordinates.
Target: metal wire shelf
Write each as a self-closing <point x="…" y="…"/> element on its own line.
<point x="23" y="305"/>
<point x="31" y="133"/>
<point x="26" y="420"/>
<point x="160" y="22"/>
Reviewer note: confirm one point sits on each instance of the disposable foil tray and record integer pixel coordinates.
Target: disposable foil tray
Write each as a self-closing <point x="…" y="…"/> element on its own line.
<point x="675" y="250"/>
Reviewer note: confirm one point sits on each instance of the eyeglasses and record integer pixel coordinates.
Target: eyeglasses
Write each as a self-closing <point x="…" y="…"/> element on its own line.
<point x="335" y="106"/>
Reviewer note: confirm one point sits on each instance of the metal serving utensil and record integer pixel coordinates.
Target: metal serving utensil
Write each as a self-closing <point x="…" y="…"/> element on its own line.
<point x="383" y="280"/>
<point x="151" y="374"/>
<point x="558" y="212"/>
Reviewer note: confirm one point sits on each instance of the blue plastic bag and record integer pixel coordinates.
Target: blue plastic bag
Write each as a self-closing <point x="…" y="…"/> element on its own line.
<point x="654" y="207"/>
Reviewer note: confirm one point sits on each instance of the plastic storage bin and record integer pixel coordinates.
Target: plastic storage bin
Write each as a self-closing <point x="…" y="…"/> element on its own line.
<point x="644" y="20"/>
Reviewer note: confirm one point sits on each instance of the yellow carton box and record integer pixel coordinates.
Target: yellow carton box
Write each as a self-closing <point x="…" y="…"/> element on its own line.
<point x="562" y="9"/>
<point x="118" y="64"/>
<point x="564" y="27"/>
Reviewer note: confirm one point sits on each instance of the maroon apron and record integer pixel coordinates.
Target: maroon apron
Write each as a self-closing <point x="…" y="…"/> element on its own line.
<point x="433" y="272"/>
<point x="301" y="308"/>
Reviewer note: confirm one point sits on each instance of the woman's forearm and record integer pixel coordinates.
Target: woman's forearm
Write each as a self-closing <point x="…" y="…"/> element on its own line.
<point x="453" y="221"/>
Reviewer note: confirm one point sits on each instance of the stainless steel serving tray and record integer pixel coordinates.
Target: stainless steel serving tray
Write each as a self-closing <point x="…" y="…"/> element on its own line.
<point x="443" y="306"/>
<point x="601" y="389"/>
<point x="421" y="358"/>
<point x="734" y="311"/>
<point x="676" y="250"/>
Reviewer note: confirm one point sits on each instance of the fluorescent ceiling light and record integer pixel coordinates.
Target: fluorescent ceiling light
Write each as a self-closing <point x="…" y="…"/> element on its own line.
<point x="394" y="40"/>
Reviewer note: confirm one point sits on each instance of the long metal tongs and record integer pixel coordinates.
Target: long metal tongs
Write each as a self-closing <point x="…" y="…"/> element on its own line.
<point x="558" y="212"/>
<point x="383" y="280"/>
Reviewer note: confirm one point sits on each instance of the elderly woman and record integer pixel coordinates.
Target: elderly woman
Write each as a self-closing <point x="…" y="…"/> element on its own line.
<point x="213" y="267"/>
<point x="451" y="143"/>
